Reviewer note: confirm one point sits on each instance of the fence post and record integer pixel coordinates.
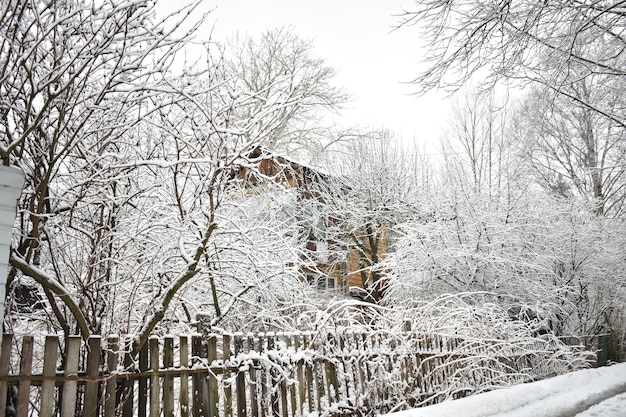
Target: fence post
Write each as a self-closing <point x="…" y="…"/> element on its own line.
<point x="23" y="390"/>
<point x="300" y="375"/>
<point x="212" y="388"/>
<point x="240" y="387"/>
<point x="111" y="384"/>
<point x="5" y="360"/>
<point x="197" y="405"/>
<point x="228" y="390"/>
<point x="603" y="350"/>
<point x="184" y="379"/>
<point x="128" y="393"/>
<point x="51" y="352"/>
<point x="271" y="345"/>
<point x="142" y="393"/>
<point x="290" y="342"/>
<point x="254" y="404"/>
<point x="72" y="356"/>
<point x="155" y="389"/>
<point x="168" y="386"/>
<point x="90" y="404"/>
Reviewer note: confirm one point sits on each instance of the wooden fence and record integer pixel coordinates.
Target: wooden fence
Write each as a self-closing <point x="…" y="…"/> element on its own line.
<point x="253" y="375"/>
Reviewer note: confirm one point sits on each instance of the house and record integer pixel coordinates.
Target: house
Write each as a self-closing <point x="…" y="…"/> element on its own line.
<point x="337" y="255"/>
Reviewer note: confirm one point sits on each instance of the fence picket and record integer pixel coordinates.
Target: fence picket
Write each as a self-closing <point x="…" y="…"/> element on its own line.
<point x="72" y="356"/>
<point x="168" y="384"/>
<point x="23" y="390"/>
<point x="184" y="376"/>
<point x="111" y="383"/>
<point x="240" y="382"/>
<point x="49" y="370"/>
<point x="5" y="361"/>
<point x="290" y="374"/>
<point x="90" y="403"/>
<point x="211" y="384"/>
<point x="197" y="404"/>
<point x="128" y="392"/>
<point x="228" y="391"/>
<point x="155" y="389"/>
<point x="142" y="391"/>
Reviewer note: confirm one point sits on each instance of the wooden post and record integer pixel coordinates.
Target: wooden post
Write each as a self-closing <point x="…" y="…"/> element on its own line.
<point x="155" y="389"/>
<point x="212" y="390"/>
<point x="23" y="390"/>
<point x="308" y="370"/>
<point x="228" y="390"/>
<point x="262" y="377"/>
<point x="240" y="382"/>
<point x="142" y="393"/>
<point x="271" y="345"/>
<point x="291" y="340"/>
<point x="5" y="361"/>
<point x="197" y="405"/>
<point x="254" y="405"/>
<point x="318" y="366"/>
<point x="128" y="392"/>
<point x="300" y="376"/>
<point x="168" y="385"/>
<point x="72" y="356"/>
<point x="51" y="353"/>
<point x="334" y="381"/>
<point x="111" y="384"/>
<point x="184" y="379"/>
<point x="90" y="403"/>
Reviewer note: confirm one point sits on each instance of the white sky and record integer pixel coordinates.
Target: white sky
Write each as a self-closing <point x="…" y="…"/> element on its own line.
<point x="355" y="37"/>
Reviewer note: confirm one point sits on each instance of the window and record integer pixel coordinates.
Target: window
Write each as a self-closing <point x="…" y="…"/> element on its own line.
<point x="321" y="282"/>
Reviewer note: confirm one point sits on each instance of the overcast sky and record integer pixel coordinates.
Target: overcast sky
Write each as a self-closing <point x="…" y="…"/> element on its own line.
<point x="356" y="37"/>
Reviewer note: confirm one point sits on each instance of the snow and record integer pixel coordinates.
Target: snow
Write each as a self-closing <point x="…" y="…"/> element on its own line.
<point x="573" y="394"/>
<point x="615" y="406"/>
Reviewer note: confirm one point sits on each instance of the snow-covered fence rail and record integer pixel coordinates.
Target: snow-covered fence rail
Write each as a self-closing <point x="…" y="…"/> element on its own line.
<point x="269" y="374"/>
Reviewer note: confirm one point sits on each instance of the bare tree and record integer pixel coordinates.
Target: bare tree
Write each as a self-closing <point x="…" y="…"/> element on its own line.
<point x="280" y="59"/>
<point x="374" y="186"/>
<point x="550" y="42"/>
<point x="476" y="149"/>
<point x="523" y="251"/>
<point x="132" y="166"/>
<point x="575" y="151"/>
<point x="74" y="79"/>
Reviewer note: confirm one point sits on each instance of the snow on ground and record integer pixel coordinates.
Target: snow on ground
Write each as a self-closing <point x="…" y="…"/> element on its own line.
<point x="567" y="395"/>
<point x="614" y="406"/>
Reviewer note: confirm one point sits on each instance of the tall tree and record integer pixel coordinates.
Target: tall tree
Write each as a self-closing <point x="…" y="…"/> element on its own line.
<point x="373" y="186"/>
<point x="280" y="59"/>
<point x="573" y="150"/>
<point x="132" y="168"/>
<point x="476" y="147"/>
<point x="549" y="42"/>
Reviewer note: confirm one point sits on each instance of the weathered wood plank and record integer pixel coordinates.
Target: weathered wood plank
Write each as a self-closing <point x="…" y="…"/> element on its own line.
<point x="198" y="406"/>
<point x="168" y="384"/>
<point x="228" y="391"/>
<point x="110" y="401"/>
<point x="5" y="361"/>
<point x="240" y="382"/>
<point x="51" y="352"/>
<point x="184" y="378"/>
<point x="72" y="356"/>
<point x="142" y="392"/>
<point x="90" y="403"/>
<point x="128" y="392"/>
<point x="155" y="389"/>
<point x="211" y="386"/>
<point x="23" y="389"/>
